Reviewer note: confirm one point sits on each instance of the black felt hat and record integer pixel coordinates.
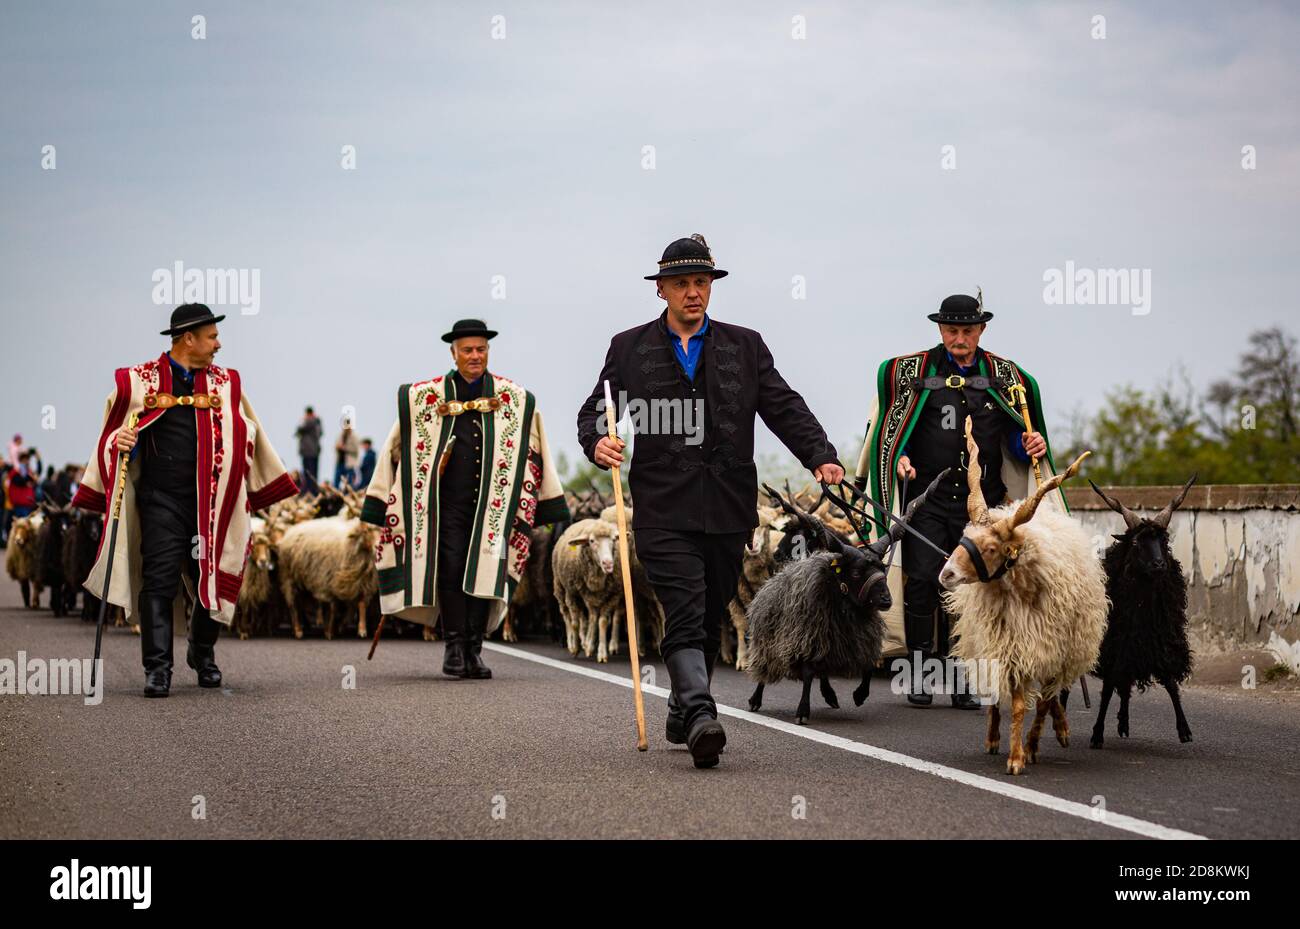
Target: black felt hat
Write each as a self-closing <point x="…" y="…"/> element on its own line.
<point x="467" y="328"/>
<point x="687" y="256"/>
<point x="189" y="316"/>
<point x="962" y="310"/>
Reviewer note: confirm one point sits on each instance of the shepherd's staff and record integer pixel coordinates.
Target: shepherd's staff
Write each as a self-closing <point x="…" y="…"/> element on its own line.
<point x="442" y="467"/>
<point x="641" y="743"/>
<point x="1018" y="391"/>
<point x="119" y="491"/>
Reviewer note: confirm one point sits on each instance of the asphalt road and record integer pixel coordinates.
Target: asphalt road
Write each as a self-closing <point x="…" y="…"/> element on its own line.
<point x="542" y="750"/>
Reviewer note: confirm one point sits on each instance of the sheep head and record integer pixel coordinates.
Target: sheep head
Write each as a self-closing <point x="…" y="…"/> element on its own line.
<point x="262" y="550"/>
<point x="598" y="540"/>
<point x="998" y="542"/>
<point x="1146" y="539"/>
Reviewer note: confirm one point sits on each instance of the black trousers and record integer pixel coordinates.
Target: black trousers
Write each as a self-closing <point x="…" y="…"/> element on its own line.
<point x="460" y="612"/>
<point x="942" y="522"/>
<point x="168" y="540"/>
<point x="694" y="576"/>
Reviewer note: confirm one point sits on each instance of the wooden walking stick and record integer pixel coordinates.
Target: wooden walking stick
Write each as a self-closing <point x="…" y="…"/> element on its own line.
<point x="641" y="743"/>
<point x="119" y="491"/>
<point x="1018" y="391"/>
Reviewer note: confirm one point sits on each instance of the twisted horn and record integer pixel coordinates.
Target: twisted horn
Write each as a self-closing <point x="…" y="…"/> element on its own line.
<point x="1026" y="510"/>
<point x="1131" y="519"/>
<point x="1162" y="518"/>
<point x="976" y="508"/>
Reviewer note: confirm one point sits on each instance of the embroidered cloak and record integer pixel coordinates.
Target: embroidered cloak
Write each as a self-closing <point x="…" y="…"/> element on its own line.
<point x="894" y="413"/>
<point x="520" y="489"/>
<point x="238" y="472"/>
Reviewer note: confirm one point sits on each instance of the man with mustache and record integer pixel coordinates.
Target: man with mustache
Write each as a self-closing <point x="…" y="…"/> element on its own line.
<point x="916" y="429"/>
<point x="695" y="491"/>
<point x="199" y="464"/>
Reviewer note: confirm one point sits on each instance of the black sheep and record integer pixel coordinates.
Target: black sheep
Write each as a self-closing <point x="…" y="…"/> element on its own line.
<point x="822" y="615"/>
<point x="80" y="547"/>
<point x="49" y="564"/>
<point x="1146" y="633"/>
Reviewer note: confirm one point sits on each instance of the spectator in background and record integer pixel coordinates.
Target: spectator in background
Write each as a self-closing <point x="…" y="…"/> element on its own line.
<point x="345" y="456"/>
<point x="22" y="489"/>
<point x="15" y="449"/>
<point x="367" y="463"/>
<point x="48" y="489"/>
<point x="309" y="435"/>
<point x="5" y="469"/>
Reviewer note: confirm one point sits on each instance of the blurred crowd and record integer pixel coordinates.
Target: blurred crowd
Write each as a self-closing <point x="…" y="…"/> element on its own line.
<point x="27" y="484"/>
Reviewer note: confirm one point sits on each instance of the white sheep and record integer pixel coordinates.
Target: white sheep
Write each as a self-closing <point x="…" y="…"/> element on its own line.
<point x="650" y="617"/>
<point x="758" y="565"/>
<point x="333" y="561"/>
<point x="588" y="584"/>
<point x="1031" y="607"/>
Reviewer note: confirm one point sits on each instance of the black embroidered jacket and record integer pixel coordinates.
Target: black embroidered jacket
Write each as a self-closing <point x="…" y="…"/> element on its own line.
<point x="709" y="485"/>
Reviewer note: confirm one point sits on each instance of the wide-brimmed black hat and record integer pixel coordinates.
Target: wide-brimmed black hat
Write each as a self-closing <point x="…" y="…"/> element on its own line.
<point x="467" y="328"/>
<point x="962" y="310"/>
<point x="189" y="316"/>
<point x="687" y="256"/>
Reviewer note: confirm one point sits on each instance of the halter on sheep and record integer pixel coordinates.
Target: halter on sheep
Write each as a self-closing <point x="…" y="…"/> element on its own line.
<point x="1146" y="632"/>
<point x="1040" y="622"/>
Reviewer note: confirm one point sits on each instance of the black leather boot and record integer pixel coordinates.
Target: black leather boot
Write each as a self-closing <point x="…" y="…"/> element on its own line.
<point x="453" y="653"/>
<point x="201" y="655"/>
<point x="475" y="669"/>
<point x="705" y="737"/>
<point x="675" y="727"/>
<point x="156" y="645"/>
<point x="918" y="693"/>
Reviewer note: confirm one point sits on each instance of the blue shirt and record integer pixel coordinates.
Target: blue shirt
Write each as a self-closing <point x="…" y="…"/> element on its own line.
<point x="690" y="358"/>
<point x="1015" y="437"/>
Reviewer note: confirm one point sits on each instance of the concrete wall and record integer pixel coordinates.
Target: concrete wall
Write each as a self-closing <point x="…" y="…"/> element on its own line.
<point x="1239" y="546"/>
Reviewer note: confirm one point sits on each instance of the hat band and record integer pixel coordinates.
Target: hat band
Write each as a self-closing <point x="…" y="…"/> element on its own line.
<point x="686" y="261"/>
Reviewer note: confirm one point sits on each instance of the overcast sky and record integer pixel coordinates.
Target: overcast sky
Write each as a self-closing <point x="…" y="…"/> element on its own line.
<point x="524" y="157"/>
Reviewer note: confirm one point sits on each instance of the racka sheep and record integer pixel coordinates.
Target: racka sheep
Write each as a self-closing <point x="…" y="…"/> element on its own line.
<point x="1146" y="634"/>
<point x="1030" y="599"/>
<point x="821" y="615"/>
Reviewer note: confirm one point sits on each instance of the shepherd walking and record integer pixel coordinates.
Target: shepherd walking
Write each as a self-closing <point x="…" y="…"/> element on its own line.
<point x="199" y="463"/>
<point x="694" y="485"/>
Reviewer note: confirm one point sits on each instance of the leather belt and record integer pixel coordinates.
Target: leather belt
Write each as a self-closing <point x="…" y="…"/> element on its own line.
<point x="161" y="401"/>
<point x="975" y="382"/>
<point x="456" y="407"/>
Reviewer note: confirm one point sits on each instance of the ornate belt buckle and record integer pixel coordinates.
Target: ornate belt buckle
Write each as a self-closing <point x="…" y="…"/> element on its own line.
<point x="185" y="401"/>
<point x="960" y="381"/>
<point x="150" y="401"/>
<point x="214" y="401"/>
<point x="455" y="408"/>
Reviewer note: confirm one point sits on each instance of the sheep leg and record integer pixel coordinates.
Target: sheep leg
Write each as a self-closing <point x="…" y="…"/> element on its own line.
<point x="570" y="629"/>
<point x="602" y="639"/>
<point x="864" y="689"/>
<point x="27" y="594"/>
<point x="1122" y="718"/>
<point x="508" y="628"/>
<point x="1184" y="730"/>
<point x="1016" y="760"/>
<point x="805" y="701"/>
<point x="756" y="699"/>
<point x="740" y="622"/>
<point x="615" y="622"/>
<point x="994" y="738"/>
<point x="321" y="609"/>
<point x="1099" y="728"/>
<point x="361" y="620"/>
<point x="1060" y="724"/>
<point x="725" y="651"/>
<point x="1041" y="708"/>
<point x="828" y="694"/>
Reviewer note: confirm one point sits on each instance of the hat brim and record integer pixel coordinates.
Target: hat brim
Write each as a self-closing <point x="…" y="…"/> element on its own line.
<point x="687" y="269"/>
<point x="488" y="334"/>
<point x="960" y="320"/>
<point x="194" y="325"/>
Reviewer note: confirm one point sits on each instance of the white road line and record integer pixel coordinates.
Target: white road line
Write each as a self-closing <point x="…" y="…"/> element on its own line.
<point x="978" y="781"/>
